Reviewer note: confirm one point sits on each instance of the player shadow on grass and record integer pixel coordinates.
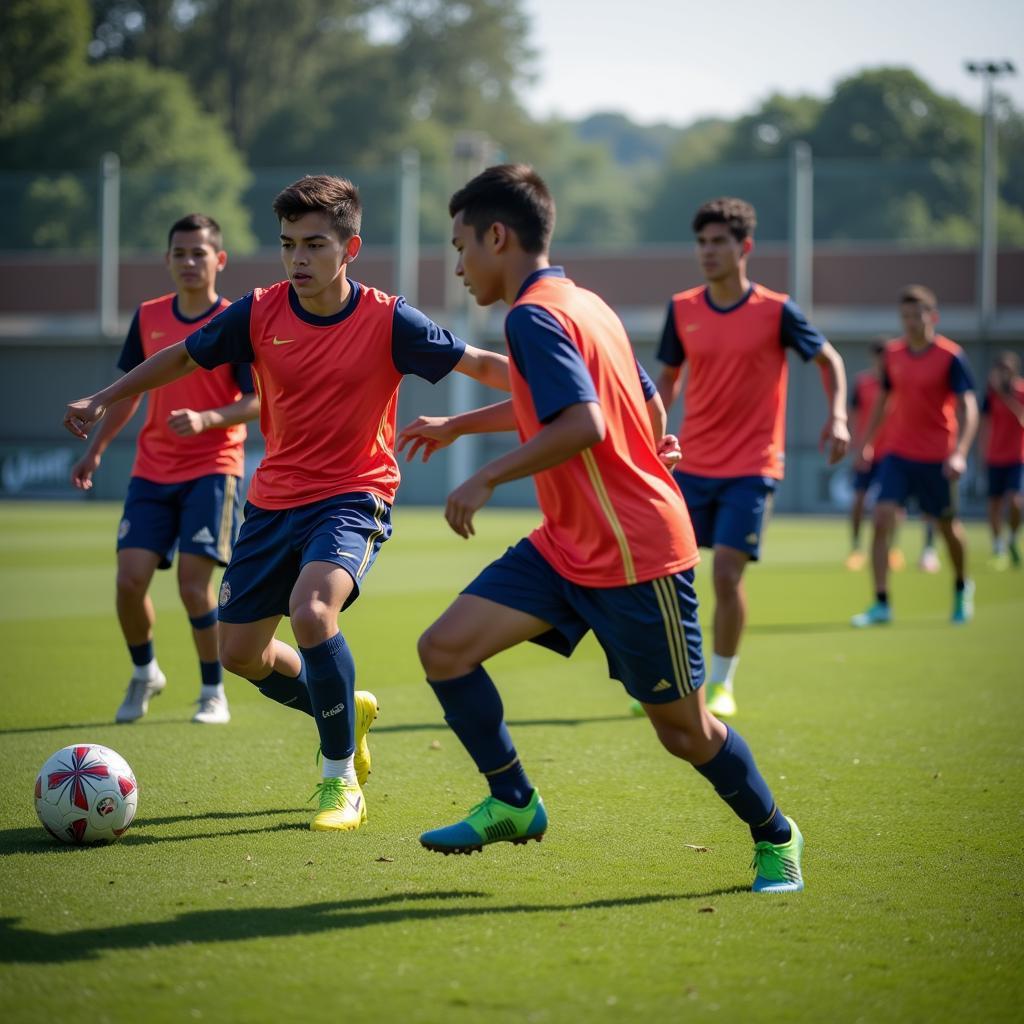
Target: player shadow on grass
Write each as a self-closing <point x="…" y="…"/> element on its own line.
<point x="23" y="945"/>
<point x="515" y="723"/>
<point x="105" y="724"/>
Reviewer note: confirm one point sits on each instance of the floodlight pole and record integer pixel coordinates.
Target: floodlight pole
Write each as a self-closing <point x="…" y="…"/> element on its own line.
<point x="988" y="240"/>
<point x="110" y="230"/>
<point x="407" y="230"/>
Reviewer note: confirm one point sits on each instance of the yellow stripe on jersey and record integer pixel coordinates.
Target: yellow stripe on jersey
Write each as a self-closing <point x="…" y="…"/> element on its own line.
<point x="227" y="519"/>
<point x="378" y="504"/>
<point x="668" y="602"/>
<point x="609" y="511"/>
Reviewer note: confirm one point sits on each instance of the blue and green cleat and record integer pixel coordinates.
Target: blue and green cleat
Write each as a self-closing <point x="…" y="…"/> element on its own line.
<point x="963" y="604"/>
<point x="490" y="821"/>
<point x="777" y="867"/>
<point x="879" y="614"/>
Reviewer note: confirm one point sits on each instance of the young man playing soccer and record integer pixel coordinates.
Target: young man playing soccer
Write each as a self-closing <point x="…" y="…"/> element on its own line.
<point x="731" y="337"/>
<point x="615" y="552"/>
<point x="926" y="387"/>
<point x="328" y="354"/>
<point x="1002" y="426"/>
<point x="188" y="464"/>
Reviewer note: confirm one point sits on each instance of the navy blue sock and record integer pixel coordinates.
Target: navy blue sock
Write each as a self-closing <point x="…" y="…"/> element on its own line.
<point x="211" y="672"/>
<point x="142" y="654"/>
<point x="737" y="781"/>
<point x="331" y="678"/>
<point x="204" y="621"/>
<point x="473" y="709"/>
<point x="291" y="691"/>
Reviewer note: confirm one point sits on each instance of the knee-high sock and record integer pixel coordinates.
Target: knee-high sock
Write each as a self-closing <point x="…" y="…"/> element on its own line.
<point x="331" y="678"/>
<point x="288" y="690"/>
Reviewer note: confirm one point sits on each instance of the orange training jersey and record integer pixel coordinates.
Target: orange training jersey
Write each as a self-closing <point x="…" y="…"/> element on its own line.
<point x="1005" y="445"/>
<point x="161" y="455"/>
<point x="612" y="514"/>
<point x="923" y="386"/>
<point x="734" y="421"/>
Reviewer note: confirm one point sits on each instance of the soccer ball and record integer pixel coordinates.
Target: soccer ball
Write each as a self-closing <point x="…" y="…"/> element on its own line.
<point x="86" y="793"/>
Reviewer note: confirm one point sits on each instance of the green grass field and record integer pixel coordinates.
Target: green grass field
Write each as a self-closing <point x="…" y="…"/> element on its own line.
<point x="897" y="750"/>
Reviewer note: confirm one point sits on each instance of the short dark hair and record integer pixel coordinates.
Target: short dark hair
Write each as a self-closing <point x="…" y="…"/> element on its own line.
<point x="322" y="193"/>
<point x="737" y="214"/>
<point x="511" y="194"/>
<point x="197" y="222"/>
<point x="919" y="293"/>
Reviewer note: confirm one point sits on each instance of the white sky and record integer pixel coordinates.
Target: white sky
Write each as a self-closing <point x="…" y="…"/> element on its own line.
<point x="677" y="60"/>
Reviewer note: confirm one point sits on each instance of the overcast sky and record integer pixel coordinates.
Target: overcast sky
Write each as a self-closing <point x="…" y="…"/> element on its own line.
<point x="676" y="60"/>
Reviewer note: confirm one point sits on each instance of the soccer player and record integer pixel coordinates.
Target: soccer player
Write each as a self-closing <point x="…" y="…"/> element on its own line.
<point x="731" y="336"/>
<point x="328" y="355"/>
<point x="926" y="387"/>
<point x="184" y="485"/>
<point x="1003" y="446"/>
<point x="615" y="552"/>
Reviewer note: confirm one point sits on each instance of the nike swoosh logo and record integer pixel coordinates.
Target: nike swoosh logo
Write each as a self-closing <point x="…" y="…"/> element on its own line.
<point x="691" y="327"/>
<point x="156" y="334"/>
<point x="282" y="341"/>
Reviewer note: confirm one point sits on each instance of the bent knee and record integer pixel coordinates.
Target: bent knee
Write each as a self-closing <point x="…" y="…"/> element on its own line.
<point x="441" y="656"/>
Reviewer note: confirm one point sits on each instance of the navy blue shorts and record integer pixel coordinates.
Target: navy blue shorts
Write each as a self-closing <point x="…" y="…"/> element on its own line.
<point x="196" y="517"/>
<point x="864" y="478"/>
<point x="649" y="631"/>
<point x="1005" y="480"/>
<point x="732" y="511"/>
<point x="900" y="479"/>
<point x="274" y="545"/>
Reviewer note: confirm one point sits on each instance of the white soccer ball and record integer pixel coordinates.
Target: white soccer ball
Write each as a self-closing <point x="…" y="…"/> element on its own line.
<point x="86" y="793"/>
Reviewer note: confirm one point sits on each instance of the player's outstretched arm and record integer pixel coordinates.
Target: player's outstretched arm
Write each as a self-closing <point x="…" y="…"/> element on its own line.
<point x="186" y="422"/>
<point x="490" y="368"/>
<point x="835" y="435"/>
<point x="573" y="430"/>
<point x="170" y="364"/>
<point x="113" y="423"/>
<point x="431" y="433"/>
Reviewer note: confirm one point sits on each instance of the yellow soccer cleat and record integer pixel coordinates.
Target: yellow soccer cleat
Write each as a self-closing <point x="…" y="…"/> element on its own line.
<point x="367" y="710"/>
<point x="342" y="807"/>
<point x="721" y="702"/>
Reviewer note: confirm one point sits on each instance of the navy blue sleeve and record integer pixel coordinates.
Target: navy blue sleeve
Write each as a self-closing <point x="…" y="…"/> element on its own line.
<point x="131" y="352"/>
<point x="242" y="373"/>
<point x="960" y="379"/>
<point x="548" y="360"/>
<point x="798" y="333"/>
<point x="645" y="382"/>
<point x="986" y="405"/>
<point x="225" y="338"/>
<point x="670" y="349"/>
<point x="420" y="347"/>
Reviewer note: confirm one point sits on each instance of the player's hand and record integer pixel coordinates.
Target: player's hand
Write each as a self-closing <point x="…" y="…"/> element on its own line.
<point x="463" y="502"/>
<point x="82" y="414"/>
<point x="83" y="469"/>
<point x="427" y="434"/>
<point x="187" y="422"/>
<point x="669" y="451"/>
<point x="954" y="467"/>
<point x="835" y="438"/>
<point x="863" y="459"/>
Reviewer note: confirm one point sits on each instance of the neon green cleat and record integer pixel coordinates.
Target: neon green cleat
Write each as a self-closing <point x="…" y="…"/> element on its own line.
<point x="342" y="807"/>
<point x="367" y="710"/>
<point x="777" y="868"/>
<point x="721" y="702"/>
<point x="636" y="709"/>
<point x="490" y="821"/>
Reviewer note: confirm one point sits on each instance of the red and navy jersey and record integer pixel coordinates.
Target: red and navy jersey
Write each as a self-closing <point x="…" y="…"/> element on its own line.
<point x="328" y="386"/>
<point x="162" y="455"/>
<point x="1005" y="445"/>
<point x="923" y="385"/>
<point x="867" y="387"/>
<point x="613" y="516"/>
<point x="734" y="401"/>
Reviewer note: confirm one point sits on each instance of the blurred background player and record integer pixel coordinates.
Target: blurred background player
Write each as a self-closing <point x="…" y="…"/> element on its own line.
<point x="1002" y="445"/>
<point x="614" y="554"/>
<point x="329" y="355"/>
<point x="189" y="462"/>
<point x="931" y="417"/>
<point x="866" y="391"/>
<point x="730" y="336"/>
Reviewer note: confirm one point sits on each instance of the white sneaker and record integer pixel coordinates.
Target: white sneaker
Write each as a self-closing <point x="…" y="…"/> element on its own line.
<point x="212" y="711"/>
<point x="138" y="695"/>
<point x="929" y="560"/>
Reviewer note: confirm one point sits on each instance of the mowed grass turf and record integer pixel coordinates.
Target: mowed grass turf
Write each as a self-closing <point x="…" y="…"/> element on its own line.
<point x="898" y="750"/>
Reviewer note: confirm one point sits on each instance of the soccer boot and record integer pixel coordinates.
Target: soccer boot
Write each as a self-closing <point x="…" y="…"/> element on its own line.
<point x="636" y="709"/>
<point x="897" y="562"/>
<point x="963" y="604"/>
<point x="342" y="807"/>
<point x="138" y="695"/>
<point x="855" y="561"/>
<point x="721" y="702"/>
<point x="999" y="561"/>
<point x="490" y="821"/>
<point x="777" y="867"/>
<point x="929" y="561"/>
<point x="212" y="711"/>
<point x="879" y="614"/>
<point x="367" y="710"/>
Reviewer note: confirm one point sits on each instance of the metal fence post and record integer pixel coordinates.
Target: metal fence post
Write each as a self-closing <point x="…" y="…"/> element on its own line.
<point x="801" y="226"/>
<point x="110" y="242"/>
<point x="407" y="227"/>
